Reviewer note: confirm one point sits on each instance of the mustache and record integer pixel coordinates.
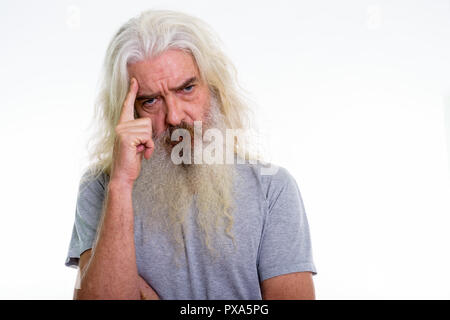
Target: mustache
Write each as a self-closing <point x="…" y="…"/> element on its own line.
<point x="167" y="135"/>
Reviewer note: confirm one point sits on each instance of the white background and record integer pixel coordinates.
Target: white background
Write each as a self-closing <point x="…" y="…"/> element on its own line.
<point x="353" y="99"/>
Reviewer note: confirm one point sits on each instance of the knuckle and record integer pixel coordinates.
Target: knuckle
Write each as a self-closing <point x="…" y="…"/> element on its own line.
<point x="119" y="131"/>
<point x="121" y="134"/>
<point x="143" y="136"/>
<point x="147" y="122"/>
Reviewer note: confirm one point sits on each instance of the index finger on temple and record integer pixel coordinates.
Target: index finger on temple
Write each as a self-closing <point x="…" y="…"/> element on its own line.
<point x="127" y="112"/>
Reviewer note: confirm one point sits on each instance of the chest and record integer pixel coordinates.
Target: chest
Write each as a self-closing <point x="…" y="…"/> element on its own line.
<point x="188" y="269"/>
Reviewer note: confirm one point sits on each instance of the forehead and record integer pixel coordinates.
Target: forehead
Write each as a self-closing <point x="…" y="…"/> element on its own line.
<point x="171" y="68"/>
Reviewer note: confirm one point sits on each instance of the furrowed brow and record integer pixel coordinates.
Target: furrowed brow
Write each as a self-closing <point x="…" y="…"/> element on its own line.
<point x="146" y="96"/>
<point x="154" y="95"/>
<point x="186" y="83"/>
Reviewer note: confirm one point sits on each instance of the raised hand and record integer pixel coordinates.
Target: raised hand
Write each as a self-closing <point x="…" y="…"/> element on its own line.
<point x="133" y="140"/>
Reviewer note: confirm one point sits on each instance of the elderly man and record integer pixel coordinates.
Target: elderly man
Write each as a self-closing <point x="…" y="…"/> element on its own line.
<point x="149" y="227"/>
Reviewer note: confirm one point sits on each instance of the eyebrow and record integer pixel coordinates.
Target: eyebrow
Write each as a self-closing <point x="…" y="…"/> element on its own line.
<point x="154" y="95"/>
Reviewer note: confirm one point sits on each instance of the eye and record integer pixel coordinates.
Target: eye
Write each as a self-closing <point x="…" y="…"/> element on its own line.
<point x="189" y="88"/>
<point x="149" y="102"/>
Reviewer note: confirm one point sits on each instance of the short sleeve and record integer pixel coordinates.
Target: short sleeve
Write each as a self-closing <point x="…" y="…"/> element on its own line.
<point x="88" y="211"/>
<point x="286" y="243"/>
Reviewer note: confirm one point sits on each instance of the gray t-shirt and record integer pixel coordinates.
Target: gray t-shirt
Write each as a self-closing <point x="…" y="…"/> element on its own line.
<point x="270" y="229"/>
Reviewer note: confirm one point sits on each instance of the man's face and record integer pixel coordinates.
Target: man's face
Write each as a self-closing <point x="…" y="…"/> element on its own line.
<point x="170" y="90"/>
<point x="172" y="95"/>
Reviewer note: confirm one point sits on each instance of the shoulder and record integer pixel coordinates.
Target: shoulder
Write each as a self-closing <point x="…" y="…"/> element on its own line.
<point x="92" y="184"/>
<point x="91" y="194"/>
<point x="271" y="178"/>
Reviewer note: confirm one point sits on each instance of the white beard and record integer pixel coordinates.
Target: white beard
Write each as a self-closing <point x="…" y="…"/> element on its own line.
<point x="164" y="192"/>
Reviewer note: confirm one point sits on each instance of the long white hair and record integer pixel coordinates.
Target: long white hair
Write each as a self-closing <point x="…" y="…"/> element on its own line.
<point x="148" y="35"/>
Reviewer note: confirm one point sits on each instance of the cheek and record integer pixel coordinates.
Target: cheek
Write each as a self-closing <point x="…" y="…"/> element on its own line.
<point x="201" y="106"/>
<point x="158" y="123"/>
<point x="157" y="120"/>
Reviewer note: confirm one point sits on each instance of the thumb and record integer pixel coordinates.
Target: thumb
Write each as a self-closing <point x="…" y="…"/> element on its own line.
<point x="149" y="148"/>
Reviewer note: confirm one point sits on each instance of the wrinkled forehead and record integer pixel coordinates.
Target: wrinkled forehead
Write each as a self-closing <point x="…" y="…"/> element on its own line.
<point x="170" y="69"/>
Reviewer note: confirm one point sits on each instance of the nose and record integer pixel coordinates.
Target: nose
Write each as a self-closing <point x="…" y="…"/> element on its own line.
<point x="174" y="112"/>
